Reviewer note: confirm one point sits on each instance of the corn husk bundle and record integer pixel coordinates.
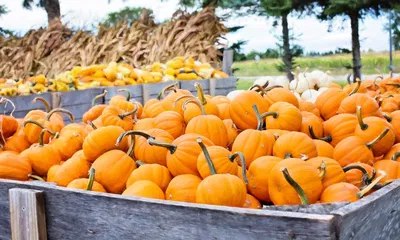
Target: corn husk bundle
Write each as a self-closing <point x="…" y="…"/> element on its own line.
<point x="56" y="49"/>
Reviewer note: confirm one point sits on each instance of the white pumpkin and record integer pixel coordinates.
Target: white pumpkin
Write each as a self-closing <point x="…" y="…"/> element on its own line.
<point x="282" y="81"/>
<point x="324" y="80"/>
<point x="297" y="95"/>
<point x="300" y="84"/>
<point x="322" y="89"/>
<point x="262" y="81"/>
<point x="310" y="95"/>
<point x="231" y="95"/>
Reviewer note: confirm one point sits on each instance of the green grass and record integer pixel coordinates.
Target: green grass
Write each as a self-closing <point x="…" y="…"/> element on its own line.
<point x="336" y="64"/>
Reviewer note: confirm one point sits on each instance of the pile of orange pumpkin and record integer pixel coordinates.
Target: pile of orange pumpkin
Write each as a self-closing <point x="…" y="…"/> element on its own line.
<point x="264" y="146"/>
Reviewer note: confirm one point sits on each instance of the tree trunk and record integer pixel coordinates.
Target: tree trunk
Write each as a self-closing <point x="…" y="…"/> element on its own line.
<point x="52" y="8"/>
<point x="355" y="45"/>
<point x="287" y="54"/>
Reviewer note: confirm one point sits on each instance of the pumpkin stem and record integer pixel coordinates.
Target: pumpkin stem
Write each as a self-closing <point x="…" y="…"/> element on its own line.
<point x="41" y="126"/>
<point x="288" y="155"/>
<point x="360" y="119"/>
<point x="366" y="178"/>
<point x="195" y="101"/>
<point x="45" y="103"/>
<point x="132" y="132"/>
<point x="274" y="114"/>
<point x="92" y="173"/>
<point x="200" y="93"/>
<point x="128" y="94"/>
<point x="361" y="193"/>
<point x="260" y="119"/>
<point x="377" y="139"/>
<point x="207" y="156"/>
<point x="102" y="95"/>
<point x="36" y="177"/>
<point x="153" y="142"/>
<point x="387" y="117"/>
<point x="243" y="161"/>
<point x="395" y="156"/>
<point x="172" y="87"/>
<point x="124" y="115"/>
<point x="296" y="186"/>
<point x="60" y="110"/>
<point x="91" y="124"/>
<point x="6" y="100"/>
<point x="313" y="136"/>
<point x="272" y="87"/>
<point x="140" y="163"/>
<point x="322" y="170"/>
<point x="180" y="98"/>
<point x="358" y="81"/>
<point x="258" y="88"/>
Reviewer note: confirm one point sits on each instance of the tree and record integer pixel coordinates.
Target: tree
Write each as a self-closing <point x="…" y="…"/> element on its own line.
<point x="396" y="30"/>
<point x="127" y="14"/>
<point x="354" y="10"/>
<point x="52" y="8"/>
<point x="4" y="32"/>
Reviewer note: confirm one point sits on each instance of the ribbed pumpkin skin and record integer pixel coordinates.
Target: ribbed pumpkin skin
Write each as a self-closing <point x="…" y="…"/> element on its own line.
<point x="352" y="150"/>
<point x="252" y="202"/>
<point x="156" y="173"/>
<point x="170" y="121"/>
<point x="183" y="188"/>
<point x="340" y="127"/>
<point x="309" y="119"/>
<point x="146" y="189"/>
<point x="110" y="117"/>
<point x="281" y="95"/>
<point x="324" y="149"/>
<point x="209" y="126"/>
<point x="297" y="144"/>
<point x="93" y="113"/>
<point x="329" y="101"/>
<point x="354" y="176"/>
<point x="340" y="192"/>
<point x="289" y="117"/>
<point x="333" y="171"/>
<point x="82" y="183"/>
<point x="14" y="166"/>
<point x="219" y="157"/>
<point x="9" y="125"/>
<point x="369" y="106"/>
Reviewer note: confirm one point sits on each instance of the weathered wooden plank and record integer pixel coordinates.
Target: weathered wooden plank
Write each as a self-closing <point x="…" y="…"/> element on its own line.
<point x="74" y="214"/>
<point x="189" y="85"/>
<point x="227" y="61"/>
<point x="27" y="214"/>
<point x="152" y="90"/>
<point x="135" y="90"/>
<point x="24" y="103"/>
<point x="319" y="208"/>
<point x="377" y="216"/>
<point x="77" y="111"/>
<point x="225" y="83"/>
<point x="63" y="99"/>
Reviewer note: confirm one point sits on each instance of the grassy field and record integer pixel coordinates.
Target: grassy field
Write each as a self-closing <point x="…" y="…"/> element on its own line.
<point x="335" y="63"/>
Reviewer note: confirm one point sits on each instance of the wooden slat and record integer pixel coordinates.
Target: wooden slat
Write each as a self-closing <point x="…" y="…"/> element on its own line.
<point x="27" y="214"/>
<point x="189" y="85"/>
<point x="135" y="90"/>
<point x="313" y="208"/>
<point x="152" y="90"/>
<point x="72" y="98"/>
<point x="24" y="103"/>
<point x="377" y="216"/>
<point x="227" y="62"/>
<point x="74" y="214"/>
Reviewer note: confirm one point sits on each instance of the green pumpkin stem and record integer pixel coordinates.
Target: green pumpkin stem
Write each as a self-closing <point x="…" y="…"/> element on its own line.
<point x="267" y="114"/>
<point x="45" y="103"/>
<point x="358" y="81"/>
<point x="288" y="155"/>
<point x="60" y="110"/>
<point x="366" y="178"/>
<point x="377" y="139"/>
<point x="140" y="163"/>
<point x="260" y="120"/>
<point x="195" y="101"/>
<point x="363" y="126"/>
<point x="387" y="117"/>
<point x="243" y="161"/>
<point x="200" y="93"/>
<point x="91" y="124"/>
<point x="296" y="186"/>
<point x="395" y="156"/>
<point x="132" y="133"/>
<point x="92" y="173"/>
<point x="259" y="88"/>
<point x="272" y="87"/>
<point x="36" y="177"/>
<point x="322" y="170"/>
<point x="313" y="136"/>
<point x="153" y="142"/>
<point x="207" y="156"/>
<point x="368" y="188"/>
<point x="172" y="87"/>
<point x="102" y="95"/>
<point x="124" y="115"/>
<point x="128" y="93"/>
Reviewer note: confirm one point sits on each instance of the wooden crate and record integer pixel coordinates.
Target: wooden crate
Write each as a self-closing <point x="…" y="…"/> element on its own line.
<point x="72" y="214"/>
<point x="222" y="86"/>
<point x="135" y="90"/>
<point x="152" y="90"/>
<point x="189" y="85"/>
<point x="24" y="104"/>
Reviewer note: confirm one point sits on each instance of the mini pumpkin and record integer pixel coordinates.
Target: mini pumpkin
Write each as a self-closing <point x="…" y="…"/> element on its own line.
<point x="284" y="116"/>
<point x="156" y="173"/>
<point x="170" y="121"/>
<point x="95" y="111"/>
<point x="324" y="149"/>
<point x="252" y="202"/>
<point x="294" y="145"/>
<point x="183" y="188"/>
<point x="146" y="189"/>
<point x="114" y="116"/>
<point x="359" y="174"/>
<point x="14" y="166"/>
<point x="88" y="184"/>
<point x="331" y="171"/>
<point x="328" y="102"/>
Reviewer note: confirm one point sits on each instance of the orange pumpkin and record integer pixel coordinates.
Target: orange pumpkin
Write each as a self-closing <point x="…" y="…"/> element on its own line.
<point x="394" y="153"/>
<point x="17" y="142"/>
<point x="369" y="105"/>
<point x="156" y="173"/>
<point x="144" y="124"/>
<point x="353" y="88"/>
<point x="309" y="107"/>
<point x="329" y="101"/>
<point x="152" y="108"/>
<point x="324" y="149"/>
<point x="114" y="116"/>
<point x="125" y="104"/>
<point x="281" y="95"/>
<point x="95" y="111"/>
<point x="395" y="121"/>
<point x="8" y="124"/>
<point x="359" y="174"/>
<point x="231" y="131"/>
<point x="252" y="202"/>
<point x="223" y="110"/>
<point x="183" y="188"/>
<point x="170" y="121"/>
<point x="389" y="168"/>
<point x="294" y="144"/>
<point x="339" y="127"/>
<point x="87" y="184"/>
<point x="146" y="189"/>
<point x="217" y="100"/>
<point x="284" y="116"/>
<point x="316" y="124"/>
<point x="331" y="171"/>
<point x="14" y="166"/>
<point x="389" y="104"/>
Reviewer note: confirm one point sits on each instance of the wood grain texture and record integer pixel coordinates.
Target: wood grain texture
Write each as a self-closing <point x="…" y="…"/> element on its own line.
<point x="318" y="208"/>
<point x="24" y="103"/>
<point x="135" y="90"/>
<point x="27" y="214"/>
<point x="74" y="214"/>
<point x="227" y="62"/>
<point x="189" y="85"/>
<point x="376" y="216"/>
<point x="152" y="90"/>
<point x="73" y="98"/>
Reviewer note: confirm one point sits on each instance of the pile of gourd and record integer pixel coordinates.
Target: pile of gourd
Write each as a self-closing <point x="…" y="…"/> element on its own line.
<point x="262" y="146"/>
<point x="112" y="74"/>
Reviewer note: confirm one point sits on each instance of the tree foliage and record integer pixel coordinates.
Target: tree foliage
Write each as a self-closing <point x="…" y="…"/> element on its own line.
<point x="3" y="31"/>
<point x="127" y="14"/>
<point x="52" y="8"/>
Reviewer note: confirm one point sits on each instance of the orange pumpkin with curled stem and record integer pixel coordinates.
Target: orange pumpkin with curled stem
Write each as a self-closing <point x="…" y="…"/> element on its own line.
<point x="294" y="145"/>
<point x="170" y="101"/>
<point x="389" y="104"/>
<point x="284" y="116"/>
<point x="332" y="172"/>
<point x="241" y="109"/>
<point x="114" y="167"/>
<point x="258" y="175"/>
<point x="145" y="151"/>
<point x="114" y="116"/>
<point x="14" y="166"/>
<point x="354" y="149"/>
<point x="156" y="173"/>
<point x="125" y="104"/>
<point x="144" y="124"/>
<point x="217" y="100"/>
<point x="146" y="189"/>
<point x="231" y="131"/>
<point x="75" y="167"/>
<point x="369" y="105"/>
<point x="18" y="141"/>
<point x="370" y="128"/>
<point x="222" y="159"/>
<point x="287" y="184"/>
<point x="309" y="107"/>
<point x="42" y="157"/>
<point x="310" y="120"/>
<point x="183" y="188"/>
<point x="252" y="202"/>
<point x="345" y="192"/>
<point x="88" y="184"/>
<point x="329" y="101"/>
<point x="390" y="167"/>
<point x="393" y="153"/>
<point x="152" y="108"/>
<point x="278" y="94"/>
<point x="359" y="174"/>
<point x="8" y="126"/>
<point x="209" y="126"/>
<point x="170" y="121"/>
<point x="262" y="141"/>
<point x="324" y="149"/>
<point x="356" y="87"/>
<point x="95" y="111"/>
<point x="102" y="140"/>
<point x="338" y="128"/>
<point x="221" y="189"/>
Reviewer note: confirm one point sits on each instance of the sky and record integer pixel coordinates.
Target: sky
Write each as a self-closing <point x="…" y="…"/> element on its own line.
<point x="312" y="34"/>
